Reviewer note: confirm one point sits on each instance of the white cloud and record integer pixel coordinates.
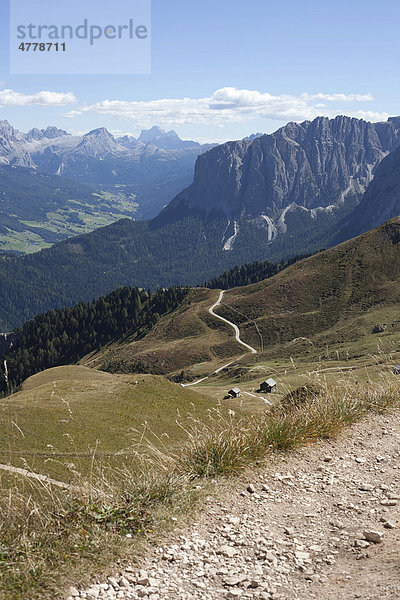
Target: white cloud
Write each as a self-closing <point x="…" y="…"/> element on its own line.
<point x="228" y="105"/>
<point x="121" y="133"/>
<point x="44" y="98"/>
<point x="339" y="97"/>
<point x="369" y="115"/>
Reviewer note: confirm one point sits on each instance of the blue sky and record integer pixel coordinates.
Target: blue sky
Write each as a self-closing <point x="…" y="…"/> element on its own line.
<point x="222" y="69"/>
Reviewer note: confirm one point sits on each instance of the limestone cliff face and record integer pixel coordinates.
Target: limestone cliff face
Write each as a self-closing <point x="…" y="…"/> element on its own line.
<point x="217" y="181"/>
<point x="380" y="202"/>
<point x="12" y="150"/>
<point x="312" y="165"/>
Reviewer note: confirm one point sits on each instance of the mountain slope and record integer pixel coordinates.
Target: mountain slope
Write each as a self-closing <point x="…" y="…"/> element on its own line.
<point x="312" y="164"/>
<point x="190" y="336"/>
<point x="297" y="177"/>
<point x="312" y="296"/>
<point x="334" y="297"/>
<point x="126" y="253"/>
<point x="380" y="202"/>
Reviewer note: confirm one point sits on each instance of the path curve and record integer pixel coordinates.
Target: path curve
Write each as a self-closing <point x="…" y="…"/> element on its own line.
<point x="38" y="477"/>
<point x="237" y="337"/>
<point x="235" y="327"/>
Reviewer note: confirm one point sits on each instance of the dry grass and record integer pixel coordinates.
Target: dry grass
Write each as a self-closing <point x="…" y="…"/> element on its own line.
<point x="49" y="537"/>
<point x="224" y="446"/>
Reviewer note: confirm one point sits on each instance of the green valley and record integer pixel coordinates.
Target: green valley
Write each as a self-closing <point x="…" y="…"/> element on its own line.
<point x="37" y="210"/>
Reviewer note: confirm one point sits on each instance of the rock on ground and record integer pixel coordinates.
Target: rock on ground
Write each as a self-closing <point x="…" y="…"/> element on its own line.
<point x="304" y="528"/>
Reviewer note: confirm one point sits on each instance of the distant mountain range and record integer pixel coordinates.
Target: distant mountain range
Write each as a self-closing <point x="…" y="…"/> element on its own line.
<point x="154" y="167"/>
<point x="303" y="188"/>
<point x="61" y="152"/>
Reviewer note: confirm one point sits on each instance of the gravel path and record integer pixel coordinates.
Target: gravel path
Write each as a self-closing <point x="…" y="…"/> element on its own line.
<point x="237" y="337"/>
<point x="320" y="524"/>
<point x="235" y="327"/>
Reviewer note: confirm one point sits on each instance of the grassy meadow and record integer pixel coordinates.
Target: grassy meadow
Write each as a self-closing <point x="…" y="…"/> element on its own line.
<point x="66" y="419"/>
<point x="78" y="217"/>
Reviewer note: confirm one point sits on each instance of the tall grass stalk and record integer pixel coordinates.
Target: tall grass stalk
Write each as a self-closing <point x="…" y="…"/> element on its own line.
<point x="230" y="445"/>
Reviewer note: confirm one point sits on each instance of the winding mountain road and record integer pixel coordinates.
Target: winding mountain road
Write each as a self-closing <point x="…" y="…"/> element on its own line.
<point x="235" y="327"/>
<point x="237" y="337"/>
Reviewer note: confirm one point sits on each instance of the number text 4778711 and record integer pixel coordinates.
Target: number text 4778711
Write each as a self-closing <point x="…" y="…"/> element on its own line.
<point x="42" y="47"/>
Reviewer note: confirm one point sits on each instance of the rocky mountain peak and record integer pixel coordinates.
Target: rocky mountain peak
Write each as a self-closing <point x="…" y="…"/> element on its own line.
<point x="253" y="136"/>
<point x="12" y="149"/>
<point x="148" y="135"/>
<point x="98" y="143"/>
<point x="34" y="134"/>
<point x="380" y="202"/>
<point x="51" y="132"/>
<point x="100" y="132"/>
<point x="7" y="132"/>
<point x="166" y="140"/>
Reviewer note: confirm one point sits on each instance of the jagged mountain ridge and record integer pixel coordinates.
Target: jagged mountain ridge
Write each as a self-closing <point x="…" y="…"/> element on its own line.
<point x="167" y="140"/>
<point x="320" y="166"/>
<point x="50" y="133"/>
<point x="12" y="151"/>
<point x="16" y="148"/>
<point x="33" y="148"/>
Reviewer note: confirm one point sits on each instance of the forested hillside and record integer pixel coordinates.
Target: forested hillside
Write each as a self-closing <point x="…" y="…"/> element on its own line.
<point x="60" y="337"/>
<point x="251" y="273"/>
<point x="63" y="336"/>
<point x="128" y="253"/>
